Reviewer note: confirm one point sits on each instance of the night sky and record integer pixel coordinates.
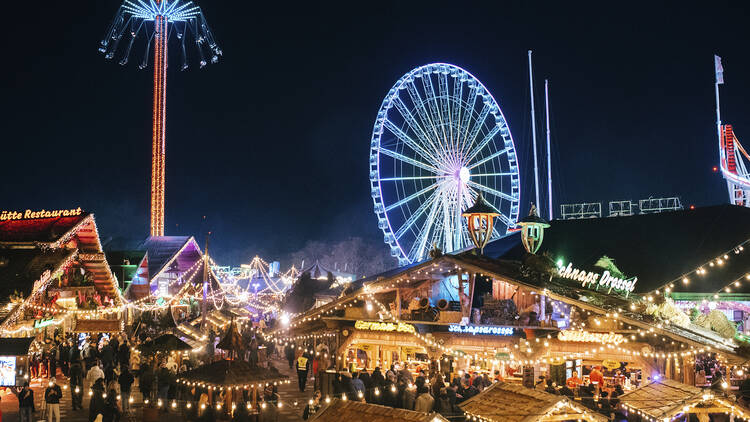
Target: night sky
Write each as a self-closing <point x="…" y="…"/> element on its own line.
<point x="269" y="148"/>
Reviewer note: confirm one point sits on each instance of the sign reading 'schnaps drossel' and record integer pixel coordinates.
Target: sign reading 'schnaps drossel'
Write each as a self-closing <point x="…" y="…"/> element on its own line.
<point x="594" y="280"/>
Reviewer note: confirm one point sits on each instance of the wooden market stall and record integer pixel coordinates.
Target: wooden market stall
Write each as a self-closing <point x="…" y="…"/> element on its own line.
<point x="347" y="410"/>
<point x="507" y="402"/>
<point x="666" y="399"/>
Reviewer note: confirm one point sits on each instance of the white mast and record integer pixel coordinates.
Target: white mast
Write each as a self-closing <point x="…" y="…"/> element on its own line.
<point x="533" y="133"/>
<point x="719" y="70"/>
<point x="549" y="151"/>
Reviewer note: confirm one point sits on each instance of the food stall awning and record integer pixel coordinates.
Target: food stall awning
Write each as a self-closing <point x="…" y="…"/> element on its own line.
<point x="15" y="346"/>
<point x="97" y="326"/>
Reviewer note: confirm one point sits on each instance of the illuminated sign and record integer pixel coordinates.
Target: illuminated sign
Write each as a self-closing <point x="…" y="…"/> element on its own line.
<point x="41" y="323"/>
<point x="595" y="280"/>
<point x="29" y="214"/>
<point x="481" y="329"/>
<point x="384" y="326"/>
<point x="587" y="337"/>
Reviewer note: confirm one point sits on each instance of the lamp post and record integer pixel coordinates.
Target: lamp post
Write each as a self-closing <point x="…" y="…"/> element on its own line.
<point x="480" y="219"/>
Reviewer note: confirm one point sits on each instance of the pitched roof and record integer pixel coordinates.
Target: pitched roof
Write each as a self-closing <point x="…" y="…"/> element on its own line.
<point x="657" y="398"/>
<point x="348" y="410"/>
<point x="657" y="248"/>
<point x="163" y="251"/>
<point x="232" y="373"/>
<point x="509" y="402"/>
<point x="42" y="230"/>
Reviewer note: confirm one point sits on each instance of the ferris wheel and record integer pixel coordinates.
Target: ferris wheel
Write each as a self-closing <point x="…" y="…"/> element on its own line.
<point x="439" y="140"/>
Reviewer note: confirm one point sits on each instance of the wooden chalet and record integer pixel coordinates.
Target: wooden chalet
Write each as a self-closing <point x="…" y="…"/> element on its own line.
<point x="507" y="402"/>
<point x="349" y="410"/>
<point x="666" y="399"/>
<point x="51" y="262"/>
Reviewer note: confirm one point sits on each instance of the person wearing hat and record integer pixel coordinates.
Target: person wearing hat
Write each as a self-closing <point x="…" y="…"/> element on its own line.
<point x="52" y="396"/>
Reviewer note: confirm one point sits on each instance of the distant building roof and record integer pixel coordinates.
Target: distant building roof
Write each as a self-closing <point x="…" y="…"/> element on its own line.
<point x="20" y="268"/>
<point x="162" y="251"/>
<point x="656" y="248"/>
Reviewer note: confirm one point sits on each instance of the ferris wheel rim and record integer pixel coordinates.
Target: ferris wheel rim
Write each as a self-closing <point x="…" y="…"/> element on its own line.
<point x="499" y="130"/>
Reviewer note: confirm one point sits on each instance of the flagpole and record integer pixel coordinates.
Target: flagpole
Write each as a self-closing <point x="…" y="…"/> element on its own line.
<point x="533" y="133"/>
<point x="549" y="151"/>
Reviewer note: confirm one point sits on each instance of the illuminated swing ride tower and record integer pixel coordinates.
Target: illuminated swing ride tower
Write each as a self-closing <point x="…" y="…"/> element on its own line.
<point x="153" y="22"/>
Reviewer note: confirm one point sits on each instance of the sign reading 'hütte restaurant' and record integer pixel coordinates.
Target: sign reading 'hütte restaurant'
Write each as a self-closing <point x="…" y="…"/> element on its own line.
<point x="30" y="214"/>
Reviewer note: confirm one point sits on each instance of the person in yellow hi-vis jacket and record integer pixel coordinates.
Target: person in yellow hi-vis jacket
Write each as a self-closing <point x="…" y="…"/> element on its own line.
<point x="302" y="365"/>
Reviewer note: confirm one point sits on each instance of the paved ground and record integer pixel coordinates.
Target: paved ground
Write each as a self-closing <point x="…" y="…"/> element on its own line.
<point x="293" y="402"/>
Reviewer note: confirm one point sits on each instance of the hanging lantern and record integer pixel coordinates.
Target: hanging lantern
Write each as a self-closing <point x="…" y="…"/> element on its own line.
<point x="480" y="218"/>
<point x="532" y="230"/>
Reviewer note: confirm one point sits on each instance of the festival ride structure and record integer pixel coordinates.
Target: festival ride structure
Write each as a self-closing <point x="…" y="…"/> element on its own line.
<point x="154" y="21"/>
<point x="439" y="139"/>
<point x="731" y="152"/>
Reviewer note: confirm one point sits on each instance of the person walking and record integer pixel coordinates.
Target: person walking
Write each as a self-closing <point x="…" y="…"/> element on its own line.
<point x="25" y="402"/>
<point x="289" y="354"/>
<point x="424" y="401"/>
<point x="302" y="365"/>
<point x="96" y="404"/>
<point x="125" y="380"/>
<point x="52" y="396"/>
<point x="76" y="385"/>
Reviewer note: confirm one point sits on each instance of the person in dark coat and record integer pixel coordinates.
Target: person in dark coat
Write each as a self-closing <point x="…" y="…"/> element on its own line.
<point x="146" y="382"/>
<point x="289" y="354"/>
<point x="377" y="382"/>
<point x="25" y="402"/>
<point x="76" y="385"/>
<point x="125" y="380"/>
<point x="123" y="355"/>
<point x="96" y="404"/>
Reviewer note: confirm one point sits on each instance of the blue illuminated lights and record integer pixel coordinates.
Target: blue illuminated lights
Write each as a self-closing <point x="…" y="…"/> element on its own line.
<point x="173" y="11"/>
<point x="135" y="25"/>
<point x="439" y="140"/>
<point x="491" y="330"/>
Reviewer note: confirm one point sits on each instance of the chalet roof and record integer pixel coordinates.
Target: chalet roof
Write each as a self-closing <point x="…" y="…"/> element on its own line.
<point x="348" y="410"/>
<point x="507" y="402"/>
<point x="167" y="253"/>
<point x="165" y="343"/>
<point x="657" y="248"/>
<point x="232" y="373"/>
<point x="657" y="398"/>
<point x="39" y="230"/>
<point x="232" y="340"/>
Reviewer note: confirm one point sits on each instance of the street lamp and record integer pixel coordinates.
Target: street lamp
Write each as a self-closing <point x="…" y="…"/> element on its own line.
<point x="480" y="218"/>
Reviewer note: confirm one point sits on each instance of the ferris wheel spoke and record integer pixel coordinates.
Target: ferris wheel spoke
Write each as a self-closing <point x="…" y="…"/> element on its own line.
<point x="488" y="158"/>
<point x="478" y="125"/>
<point x="432" y="104"/>
<point x="412" y="122"/>
<point x="467" y="113"/>
<point x="493" y="174"/>
<point x="417" y="249"/>
<point x="409" y="160"/>
<point x="445" y="106"/>
<point x="427" y="122"/>
<point x="409" y="141"/>
<point x="490" y="191"/>
<point x="488" y="137"/>
<point x="414" y="217"/>
<point x="410" y="197"/>
<point x="396" y="179"/>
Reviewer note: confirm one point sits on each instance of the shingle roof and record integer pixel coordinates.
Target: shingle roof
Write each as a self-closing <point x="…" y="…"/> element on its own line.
<point x="657" y="248"/>
<point x="507" y="402"/>
<point x="348" y="410"/>
<point x="232" y="372"/>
